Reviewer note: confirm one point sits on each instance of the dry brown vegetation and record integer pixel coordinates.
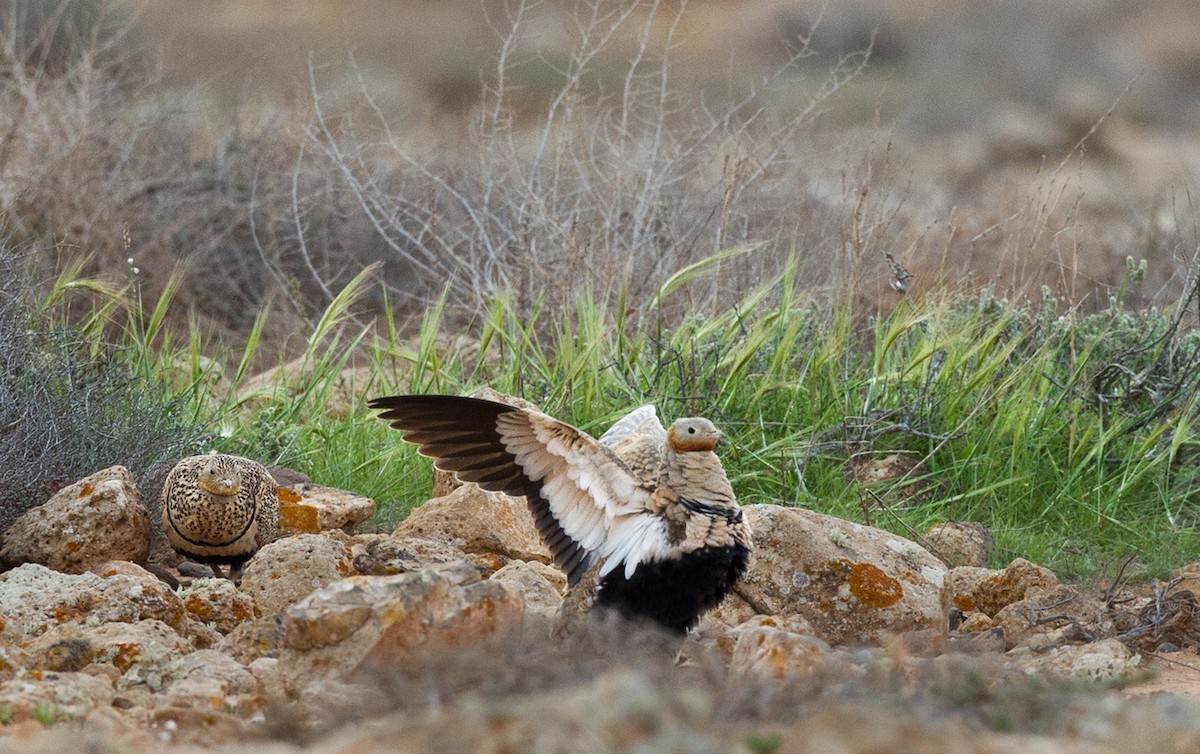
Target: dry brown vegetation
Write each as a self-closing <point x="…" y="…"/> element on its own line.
<point x="540" y="149"/>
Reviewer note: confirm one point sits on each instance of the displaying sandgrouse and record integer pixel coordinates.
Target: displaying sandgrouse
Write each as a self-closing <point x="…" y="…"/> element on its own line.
<point x="644" y="518"/>
<point x="219" y="509"/>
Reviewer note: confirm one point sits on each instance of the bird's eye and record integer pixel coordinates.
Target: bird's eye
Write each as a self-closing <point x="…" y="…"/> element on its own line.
<point x="691" y="430"/>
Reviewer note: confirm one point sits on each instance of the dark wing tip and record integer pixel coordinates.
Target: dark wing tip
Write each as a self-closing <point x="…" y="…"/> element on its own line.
<point x="435" y="404"/>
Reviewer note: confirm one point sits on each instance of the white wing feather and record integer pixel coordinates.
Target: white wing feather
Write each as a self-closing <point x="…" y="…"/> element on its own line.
<point x="594" y="498"/>
<point x="642" y="421"/>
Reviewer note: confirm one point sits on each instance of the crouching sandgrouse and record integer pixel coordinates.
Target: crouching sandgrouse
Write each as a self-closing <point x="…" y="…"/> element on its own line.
<point x="219" y="509"/>
<point x="644" y="519"/>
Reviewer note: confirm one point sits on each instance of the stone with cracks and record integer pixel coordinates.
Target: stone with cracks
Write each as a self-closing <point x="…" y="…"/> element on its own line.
<point x="541" y="586"/>
<point x="310" y="508"/>
<point x="384" y="555"/>
<point x="95" y="520"/>
<point x="217" y="602"/>
<point x="72" y="647"/>
<point x="853" y="583"/>
<point x="475" y="521"/>
<point x="366" y="624"/>
<point x="34" y="599"/>
<point x="285" y="571"/>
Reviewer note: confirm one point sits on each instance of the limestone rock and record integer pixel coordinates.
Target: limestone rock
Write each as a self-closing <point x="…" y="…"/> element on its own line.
<point x="1102" y="661"/>
<point x="372" y="622"/>
<point x="476" y="521"/>
<point x="389" y="555"/>
<point x="1020" y="580"/>
<point x="94" y="520"/>
<point x="217" y="602"/>
<point x="34" y="598"/>
<point x="962" y="583"/>
<point x="541" y="586"/>
<point x="853" y="583"/>
<point x="310" y="508"/>
<point x="55" y="697"/>
<point x="215" y="681"/>
<point x="123" y="645"/>
<point x="960" y="543"/>
<point x="13" y="660"/>
<point x="285" y="571"/>
<point x="732" y="611"/>
<point x="778" y="649"/>
<point x="619" y="711"/>
<point x="254" y="639"/>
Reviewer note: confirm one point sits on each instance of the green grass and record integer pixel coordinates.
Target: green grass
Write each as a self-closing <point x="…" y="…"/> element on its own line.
<point x="1070" y="436"/>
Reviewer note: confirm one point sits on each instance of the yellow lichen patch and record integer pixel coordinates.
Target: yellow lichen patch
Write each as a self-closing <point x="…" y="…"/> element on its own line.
<point x="964" y="602"/>
<point x="86" y="489"/>
<point x="198" y="607"/>
<point x="126" y="655"/>
<point x="288" y="495"/>
<point x="871" y="586"/>
<point x="297" y="518"/>
<point x="72" y="546"/>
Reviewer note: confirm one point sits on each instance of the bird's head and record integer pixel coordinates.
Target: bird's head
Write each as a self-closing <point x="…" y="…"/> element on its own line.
<point x="220" y="477"/>
<point x="693" y="434"/>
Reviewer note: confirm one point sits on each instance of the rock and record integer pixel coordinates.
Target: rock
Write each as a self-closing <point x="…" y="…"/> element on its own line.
<point x="732" y="611"/>
<point x="1104" y="661"/>
<point x="380" y="623"/>
<point x="34" y="599"/>
<point x="55" y="697"/>
<point x="895" y="475"/>
<point x="217" y="602"/>
<point x="975" y="622"/>
<point x="619" y="711"/>
<point x="254" y="639"/>
<point x="71" y="647"/>
<point x="541" y="586"/>
<point x="324" y="703"/>
<point x="389" y="555"/>
<point x="853" y="583"/>
<point x="476" y="521"/>
<point x="310" y="508"/>
<point x="13" y="660"/>
<point x="285" y="571"/>
<point x="1040" y="621"/>
<point x="216" y="681"/>
<point x="960" y="543"/>
<point x="774" y="649"/>
<point x="962" y="583"/>
<point x="980" y="642"/>
<point x="95" y="520"/>
<point x="1021" y="579"/>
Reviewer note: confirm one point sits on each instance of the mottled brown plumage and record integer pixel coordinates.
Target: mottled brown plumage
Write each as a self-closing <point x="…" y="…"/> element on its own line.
<point x="643" y="521"/>
<point x="219" y="509"/>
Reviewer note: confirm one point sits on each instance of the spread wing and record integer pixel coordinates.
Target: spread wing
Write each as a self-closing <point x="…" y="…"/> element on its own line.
<point x="638" y="439"/>
<point x="642" y="422"/>
<point x="585" y="501"/>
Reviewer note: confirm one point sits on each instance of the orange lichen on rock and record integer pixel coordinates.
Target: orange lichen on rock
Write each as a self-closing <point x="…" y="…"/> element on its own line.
<point x="964" y="602"/>
<point x="870" y="585"/>
<point x="297" y="518"/>
<point x="86" y="489"/>
<point x="288" y="495"/>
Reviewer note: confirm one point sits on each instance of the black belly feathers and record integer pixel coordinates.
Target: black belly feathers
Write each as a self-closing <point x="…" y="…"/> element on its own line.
<point x="588" y="506"/>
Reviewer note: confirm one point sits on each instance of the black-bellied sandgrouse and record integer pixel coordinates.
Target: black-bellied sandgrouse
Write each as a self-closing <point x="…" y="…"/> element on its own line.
<point x="219" y="509"/>
<point x="643" y="521"/>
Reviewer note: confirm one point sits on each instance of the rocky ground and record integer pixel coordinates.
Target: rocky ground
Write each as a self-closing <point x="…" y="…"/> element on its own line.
<point x="435" y="637"/>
